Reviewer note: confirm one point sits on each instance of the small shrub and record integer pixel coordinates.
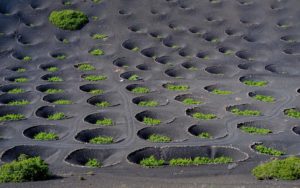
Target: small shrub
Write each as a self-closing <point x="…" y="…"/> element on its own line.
<point x="53" y="91"/>
<point x="97" y="52"/>
<point x="62" y="102"/>
<point x="284" y="169"/>
<point x="190" y="101"/>
<point x="221" y="92"/>
<point x="199" y="115"/>
<point x="19" y="102"/>
<point x="27" y="58"/>
<point x="68" y="19"/>
<point x="174" y="87"/>
<point x="21" y="70"/>
<point x="159" y="138"/>
<point x="95" y="78"/>
<point x="204" y="135"/>
<point x="294" y="113"/>
<point x="103" y="104"/>
<point x="12" y="117"/>
<point x="264" y="98"/>
<point x="16" y="91"/>
<point x="217" y="160"/>
<point x="148" y="103"/>
<point x="93" y="163"/>
<point x="266" y="150"/>
<point x="152" y="162"/>
<point x="104" y="122"/>
<point x="54" y="79"/>
<point x="60" y="57"/>
<point x="151" y="121"/>
<point x="86" y="67"/>
<point x="52" y="69"/>
<point x="102" y="140"/>
<point x="21" y="80"/>
<point x="135" y="49"/>
<point x="255" y="130"/>
<point x="98" y="36"/>
<point x="140" y="90"/>
<point x="57" y="116"/>
<point x="181" y="162"/>
<point x="96" y="91"/>
<point x="24" y="169"/>
<point x="239" y="112"/>
<point x="96" y="1"/>
<point x="134" y="77"/>
<point x="255" y="83"/>
<point x="45" y="136"/>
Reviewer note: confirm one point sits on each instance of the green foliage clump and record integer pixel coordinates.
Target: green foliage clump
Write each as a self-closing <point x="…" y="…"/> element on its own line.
<point x="151" y="121"/>
<point x="266" y="150"/>
<point x="151" y="162"/>
<point x="21" y="80"/>
<point x="98" y="36"/>
<point x="93" y="163"/>
<point x="134" y="77"/>
<point x="60" y="57"/>
<point x="174" y="87"/>
<point x="27" y="58"/>
<point x="21" y="70"/>
<point x="102" y="140"/>
<point x="239" y="112"/>
<point x="264" y="98"/>
<point x="181" y="162"/>
<point x="204" y="135"/>
<point x="283" y="169"/>
<point x="221" y="92"/>
<point x="103" y="104"/>
<point x="199" y="115"/>
<point x="18" y="102"/>
<point x="190" y="101"/>
<point x="86" y="67"/>
<point x="53" y="91"/>
<point x="12" y="117"/>
<point x="148" y="103"/>
<point x="140" y="90"/>
<point x="294" y="113"/>
<point x="255" y="130"/>
<point x="95" y="78"/>
<point x="200" y="161"/>
<point x="135" y="49"/>
<point x="57" y="116"/>
<point x="255" y="83"/>
<point x="16" y="91"/>
<point x="97" y="52"/>
<point x="159" y="138"/>
<point x="54" y="79"/>
<point x="96" y="91"/>
<point x="52" y="69"/>
<point x="62" y="102"/>
<point x="68" y="19"/>
<point x="104" y="122"/>
<point x="24" y="169"/>
<point x="46" y="136"/>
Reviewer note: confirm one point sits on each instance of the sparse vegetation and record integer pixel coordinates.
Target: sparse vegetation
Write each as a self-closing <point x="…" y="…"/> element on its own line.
<point x="16" y="91"/>
<point x="221" y="92"/>
<point x="97" y="52"/>
<point x="27" y="58"/>
<point x="151" y="121"/>
<point x="68" y="19"/>
<point x="99" y="36"/>
<point x="95" y="78"/>
<point x="60" y="57"/>
<point x="21" y="70"/>
<point x="46" y="136"/>
<point x="93" y="163"/>
<point x="150" y="103"/>
<point x="12" y="117"/>
<point x="18" y="102"/>
<point x="21" y="80"/>
<point x="140" y="90"/>
<point x="102" y="104"/>
<point x="152" y="162"/>
<point x="255" y="83"/>
<point x="54" y="79"/>
<point x="174" y="87"/>
<point x="102" y="140"/>
<point x="96" y="91"/>
<point x="203" y="116"/>
<point x="24" y="169"/>
<point x="52" y="69"/>
<point x="62" y="101"/>
<point x="134" y="77"/>
<point x="204" y="135"/>
<point x="264" y="98"/>
<point x="283" y="169"/>
<point x="255" y="130"/>
<point x="53" y="91"/>
<point x="104" y="122"/>
<point x="239" y="112"/>
<point x="135" y="49"/>
<point x="57" y="116"/>
<point x="86" y="67"/>
<point x="159" y="138"/>
<point x="199" y="161"/>
<point x="266" y="150"/>
<point x="191" y="101"/>
<point x="293" y="112"/>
